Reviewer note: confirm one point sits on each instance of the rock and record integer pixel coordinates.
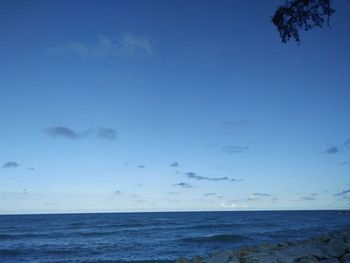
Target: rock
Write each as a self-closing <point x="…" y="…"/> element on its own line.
<point x="247" y="251"/>
<point x="346" y="258"/>
<point x="329" y="260"/>
<point x="335" y="233"/>
<point x="334" y="248"/>
<point x="260" y="258"/>
<point x="308" y="259"/>
<point x="197" y="259"/>
<point x="331" y="248"/>
<point x="234" y="260"/>
<point x="347" y="247"/>
<point x="346" y="236"/>
<point x="286" y="244"/>
<point x="221" y="256"/>
<point x="182" y="260"/>
<point x="292" y="254"/>
<point x="267" y="246"/>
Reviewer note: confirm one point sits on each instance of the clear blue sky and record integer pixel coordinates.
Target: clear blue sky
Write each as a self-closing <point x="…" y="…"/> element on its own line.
<point x="170" y="105"/>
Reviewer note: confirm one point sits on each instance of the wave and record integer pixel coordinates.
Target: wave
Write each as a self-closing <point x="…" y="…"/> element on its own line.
<point x="294" y="232"/>
<point x="37" y="236"/>
<point x="77" y="225"/>
<point x="5" y="236"/>
<point x="95" y="234"/>
<point x="58" y="252"/>
<point x="214" y="238"/>
<point x="161" y="227"/>
<point x="126" y="225"/>
<point x="205" y="226"/>
<point x="10" y="252"/>
<point x="19" y="236"/>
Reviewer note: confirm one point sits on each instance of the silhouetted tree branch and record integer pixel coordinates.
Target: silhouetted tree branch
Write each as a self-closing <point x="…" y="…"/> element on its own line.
<point x="298" y="15"/>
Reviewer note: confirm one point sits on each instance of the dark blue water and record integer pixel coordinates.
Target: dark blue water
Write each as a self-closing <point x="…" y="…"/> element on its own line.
<point x="122" y="237"/>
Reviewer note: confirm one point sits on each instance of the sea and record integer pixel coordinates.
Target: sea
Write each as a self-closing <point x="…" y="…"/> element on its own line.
<point x="153" y="237"/>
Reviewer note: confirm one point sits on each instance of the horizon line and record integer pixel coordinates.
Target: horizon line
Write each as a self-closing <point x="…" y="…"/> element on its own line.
<point x="175" y="211"/>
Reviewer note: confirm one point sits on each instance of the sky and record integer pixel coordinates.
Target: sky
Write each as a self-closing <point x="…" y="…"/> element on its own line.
<point x="116" y="106"/>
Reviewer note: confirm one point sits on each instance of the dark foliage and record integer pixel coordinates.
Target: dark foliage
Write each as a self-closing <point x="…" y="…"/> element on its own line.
<point x="301" y="15"/>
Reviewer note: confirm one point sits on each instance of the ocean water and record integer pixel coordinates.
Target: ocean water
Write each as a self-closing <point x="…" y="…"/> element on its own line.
<point x="152" y="237"/>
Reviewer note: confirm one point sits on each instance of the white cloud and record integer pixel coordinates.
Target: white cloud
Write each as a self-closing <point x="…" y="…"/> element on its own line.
<point x="234" y="205"/>
<point x="125" y="44"/>
<point x="133" y="44"/>
<point x="78" y="48"/>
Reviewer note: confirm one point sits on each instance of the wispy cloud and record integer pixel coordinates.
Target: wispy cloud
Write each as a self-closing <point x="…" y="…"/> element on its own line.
<point x="342" y="192"/>
<point x="332" y="150"/>
<point x="174" y="164"/>
<point x="252" y="198"/>
<point x="64" y="132"/>
<point x="193" y="175"/>
<point x="344" y="198"/>
<point x="69" y="133"/>
<point x="17" y="193"/>
<point x="132" y="44"/>
<point x="173" y="201"/>
<point x="10" y="164"/>
<point x="124" y="44"/>
<point x="344" y="163"/>
<point x="184" y="185"/>
<point x="140" y="201"/>
<point x="262" y="194"/>
<point x="107" y="133"/>
<point x="259" y="196"/>
<point x="209" y="194"/>
<point x="228" y="127"/>
<point x="234" y="148"/>
<point x="307" y="198"/>
<point x="347" y="142"/>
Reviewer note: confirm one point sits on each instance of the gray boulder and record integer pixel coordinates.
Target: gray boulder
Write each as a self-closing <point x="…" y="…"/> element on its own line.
<point x="222" y="257"/>
<point x="329" y="260"/>
<point x="335" y="249"/>
<point x="346" y="258"/>
<point x="308" y="259"/>
<point x="264" y="257"/>
<point x="182" y="260"/>
<point x="292" y="254"/>
<point x="197" y="259"/>
<point x="331" y="248"/>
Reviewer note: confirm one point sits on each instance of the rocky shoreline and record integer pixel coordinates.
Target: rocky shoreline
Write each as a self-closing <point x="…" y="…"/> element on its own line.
<point x="333" y="247"/>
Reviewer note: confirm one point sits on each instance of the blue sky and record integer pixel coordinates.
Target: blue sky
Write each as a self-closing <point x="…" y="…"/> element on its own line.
<point x="170" y="105"/>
